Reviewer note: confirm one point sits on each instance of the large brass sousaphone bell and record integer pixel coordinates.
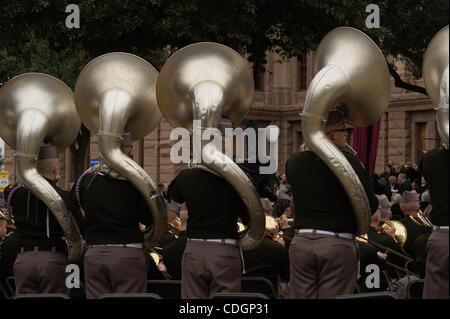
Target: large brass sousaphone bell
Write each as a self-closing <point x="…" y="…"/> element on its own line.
<point x="115" y="93"/>
<point x="204" y="82"/>
<point x="351" y="70"/>
<point x="436" y="78"/>
<point x="37" y="108"/>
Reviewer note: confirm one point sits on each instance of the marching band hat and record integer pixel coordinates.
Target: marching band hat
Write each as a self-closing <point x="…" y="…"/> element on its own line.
<point x="383" y="201"/>
<point x="410" y="196"/>
<point x="384" y="206"/>
<point x="335" y="118"/>
<point x="126" y="139"/>
<point x="48" y="150"/>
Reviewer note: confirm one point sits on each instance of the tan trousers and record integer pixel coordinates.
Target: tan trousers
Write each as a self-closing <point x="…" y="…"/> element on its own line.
<point x="207" y="268"/>
<point x="114" y="270"/>
<point x="322" y="266"/>
<point x="436" y="275"/>
<point x="40" y="272"/>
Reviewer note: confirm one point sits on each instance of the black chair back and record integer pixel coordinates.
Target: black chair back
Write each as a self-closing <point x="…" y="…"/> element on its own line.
<point x="239" y="295"/>
<point x="258" y="285"/>
<point x="167" y="289"/>
<point x="415" y="289"/>
<point x="10" y="282"/>
<point x="130" y="296"/>
<point x="369" y="295"/>
<point x="41" y="296"/>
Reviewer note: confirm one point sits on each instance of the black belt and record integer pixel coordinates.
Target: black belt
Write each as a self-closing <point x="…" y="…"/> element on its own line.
<point x="43" y="248"/>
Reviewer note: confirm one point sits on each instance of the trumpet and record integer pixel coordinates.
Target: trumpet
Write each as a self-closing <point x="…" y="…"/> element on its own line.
<point x="174" y="229"/>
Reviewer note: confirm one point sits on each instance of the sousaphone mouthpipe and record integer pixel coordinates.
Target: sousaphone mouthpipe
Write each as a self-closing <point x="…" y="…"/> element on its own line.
<point x="31" y="130"/>
<point x="114" y="114"/>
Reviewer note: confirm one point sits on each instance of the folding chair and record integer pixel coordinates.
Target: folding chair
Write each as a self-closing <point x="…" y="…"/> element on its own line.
<point x="369" y="295"/>
<point x="167" y="289"/>
<point x="10" y="282"/>
<point x="259" y="285"/>
<point x="415" y="289"/>
<point x="130" y="296"/>
<point x="41" y="296"/>
<point x="238" y="295"/>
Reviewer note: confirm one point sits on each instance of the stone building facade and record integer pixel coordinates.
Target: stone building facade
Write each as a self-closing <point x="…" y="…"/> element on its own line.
<point x="408" y="126"/>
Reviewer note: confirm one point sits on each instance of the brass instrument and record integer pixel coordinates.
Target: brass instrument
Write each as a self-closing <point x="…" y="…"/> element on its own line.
<point x="349" y="69"/>
<point x="6" y="216"/>
<point x="116" y="93"/>
<point x="201" y="83"/>
<point x="401" y="233"/>
<point x="272" y="228"/>
<point x="174" y="229"/>
<point x="37" y="108"/>
<point x="421" y="220"/>
<point x="241" y="227"/>
<point x="436" y="77"/>
<point x="365" y="239"/>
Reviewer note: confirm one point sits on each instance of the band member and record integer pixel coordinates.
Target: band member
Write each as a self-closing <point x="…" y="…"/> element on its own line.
<point x="384" y="235"/>
<point x="115" y="261"/>
<point x="8" y="247"/>
<point x="41" y="260"/>
<point x="371" y="253"/>
<point x="212" y="258"/>
<point x="270" y="259"/>
<point x="410" y="206"/>
<point x="323" y="254"/>
<point x="434" y="166"/>
<point x="173" y="252"/>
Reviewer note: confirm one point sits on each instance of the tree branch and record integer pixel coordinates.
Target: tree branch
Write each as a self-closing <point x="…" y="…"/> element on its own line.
<point x="401" y="84"/>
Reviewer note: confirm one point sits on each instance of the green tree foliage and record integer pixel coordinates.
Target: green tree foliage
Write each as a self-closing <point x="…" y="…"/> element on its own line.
<point x="35" y="37"/>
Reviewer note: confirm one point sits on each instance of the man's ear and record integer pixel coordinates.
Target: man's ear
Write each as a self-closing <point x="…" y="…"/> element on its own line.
<point x="331" y="135"/>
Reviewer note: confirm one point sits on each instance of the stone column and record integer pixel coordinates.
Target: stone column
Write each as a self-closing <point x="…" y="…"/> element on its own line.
<point x="399" y="138"/>
<point x="284" y="142"/>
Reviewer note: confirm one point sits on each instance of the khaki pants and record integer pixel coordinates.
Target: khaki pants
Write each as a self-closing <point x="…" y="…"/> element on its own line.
<point x="322" y="266"/>
<point x="436" y="275"/>
<point x="40" y="272"/>
<point x="114" y="270"/>
<point x="208" y="268"/>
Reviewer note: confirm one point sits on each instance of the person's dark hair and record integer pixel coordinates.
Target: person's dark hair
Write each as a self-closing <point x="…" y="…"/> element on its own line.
<point x="280" y="206"/>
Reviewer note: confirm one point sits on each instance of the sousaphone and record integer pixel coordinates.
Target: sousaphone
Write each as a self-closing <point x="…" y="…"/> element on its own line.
<point x="349" y="69"/>
<point x="205" y="82"/>
<point x="36" y="108"/>
<point x="115" y="93"/>
<point x="436" y="77"/>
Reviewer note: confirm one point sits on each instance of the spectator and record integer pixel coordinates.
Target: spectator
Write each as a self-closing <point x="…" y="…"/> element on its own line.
<point x="424" y="200"/>
<point x="403" y="183"/>
<point x="397" y="213"/>
<point x="422" y="186"/>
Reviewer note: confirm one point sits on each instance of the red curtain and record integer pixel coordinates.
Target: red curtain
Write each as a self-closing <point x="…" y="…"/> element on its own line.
<point x="365" y="143"/>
